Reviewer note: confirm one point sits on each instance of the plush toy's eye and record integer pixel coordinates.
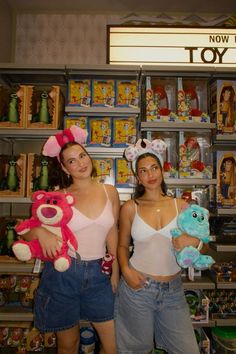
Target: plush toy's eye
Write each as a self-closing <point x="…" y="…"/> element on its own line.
<point x="48" y="201"/>
<point x="194" y="214"/>
<point x="54" y="201"/>
<point x="202" y="217"/>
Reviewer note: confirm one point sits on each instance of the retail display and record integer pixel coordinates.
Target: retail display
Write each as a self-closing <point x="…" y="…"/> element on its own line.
<point x="117" y="105"/>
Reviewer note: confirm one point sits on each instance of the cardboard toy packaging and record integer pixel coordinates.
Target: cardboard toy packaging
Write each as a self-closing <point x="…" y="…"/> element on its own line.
<point x="223" y="105"/>
<point x="226" y="179"/>
<point x="12" y="106"/>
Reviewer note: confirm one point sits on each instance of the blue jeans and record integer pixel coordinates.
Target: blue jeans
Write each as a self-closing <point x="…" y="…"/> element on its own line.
<point x="157" y="311"/>
<point x="64" y="298"/>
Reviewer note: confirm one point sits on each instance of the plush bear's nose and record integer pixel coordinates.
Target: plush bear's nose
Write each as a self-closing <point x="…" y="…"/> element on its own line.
<point x="48" y="212"/>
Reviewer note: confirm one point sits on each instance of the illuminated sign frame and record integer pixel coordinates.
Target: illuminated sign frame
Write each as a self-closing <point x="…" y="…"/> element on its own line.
<point x="142" y="45"/>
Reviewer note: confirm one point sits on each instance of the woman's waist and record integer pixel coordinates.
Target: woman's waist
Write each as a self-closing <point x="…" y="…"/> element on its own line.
<point x="159" y="278"/>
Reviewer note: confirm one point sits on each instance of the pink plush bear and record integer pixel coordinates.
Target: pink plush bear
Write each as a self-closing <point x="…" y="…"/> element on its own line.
<point x="52" y="210"/>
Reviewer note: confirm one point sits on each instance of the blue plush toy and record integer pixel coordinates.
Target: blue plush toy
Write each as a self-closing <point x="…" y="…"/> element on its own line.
<point x="193" y="221"/>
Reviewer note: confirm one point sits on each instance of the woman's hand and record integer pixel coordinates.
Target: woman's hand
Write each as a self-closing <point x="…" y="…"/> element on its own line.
<point x="50" y="243"/>
<point x="184" y="241"/>
<point x="134" y="279"/>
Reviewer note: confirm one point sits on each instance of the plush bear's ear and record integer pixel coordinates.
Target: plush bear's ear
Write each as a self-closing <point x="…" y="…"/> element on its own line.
<point x="38" y="195"/>
<point x="70" y="199"/>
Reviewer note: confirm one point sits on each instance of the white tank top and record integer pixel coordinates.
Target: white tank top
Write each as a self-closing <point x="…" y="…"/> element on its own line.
<point x="153" y="250"/>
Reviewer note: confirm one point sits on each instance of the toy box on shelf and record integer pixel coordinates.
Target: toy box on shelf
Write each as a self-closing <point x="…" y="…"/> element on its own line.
<point x="80" y="121"/>
<point x="222" y="303"/>
<point x="44" y="107"/>
<point x="195" y="156"/>
<point x="7" y="237"/>
<point x="18" y="290"/>
<point x="79" y="93"/>
<point x="224" y="272"/>
<point x="38" y="176"/>
<point x="202" y="340"/>
<point x="124" y="176"/>
<point x="198" y="306"/>
<point x="124" y="131"/>
<point x="103" y="93"/>
<point x="100" y="131"/>
<point x="12" y="107"/>
<point x="223" y="105"/>
<point x="161" y="99"/>
<point x="226" y="179"/>
<point x="192" y="104"/>
<point x="170" y="157"/>
<point x="12" y="175"/>
<point x="127" y="93"/>
<point x="105" y="170"/>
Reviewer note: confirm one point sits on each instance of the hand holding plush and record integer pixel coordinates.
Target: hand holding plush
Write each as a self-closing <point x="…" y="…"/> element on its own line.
<point x="52" y="210"/>
<point x="193" y="221"/>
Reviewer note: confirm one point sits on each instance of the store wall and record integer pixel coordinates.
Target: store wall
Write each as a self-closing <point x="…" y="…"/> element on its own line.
<point x="6" y="32"/>
<point x="81" y="38"/>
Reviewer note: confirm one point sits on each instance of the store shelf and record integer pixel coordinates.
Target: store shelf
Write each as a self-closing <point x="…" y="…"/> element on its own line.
<point x="210" y="323"/>
<point x="15" y="200"/>
<point x="176" y="126"/>
<point x="226" y="137"/>
<point x="202" y="282"/>
<point x="127" y="71"/>
<point x="13" y="266"/>
<point x="32" y="74"/>
<point x="226" y="285"/>
<point x="224" y="319"/>
<point x="15" y="313"/>
<point x="219" y="247"/>
<point x="225" y="211"/>
<point x="102" y="110"/>
<point x="189" y="181"/>
<point x="30" y="134"/>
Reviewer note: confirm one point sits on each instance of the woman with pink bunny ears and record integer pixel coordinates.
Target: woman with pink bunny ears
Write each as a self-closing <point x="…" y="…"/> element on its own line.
<point x="150" y="306"/>
<point x="85" y="291"/>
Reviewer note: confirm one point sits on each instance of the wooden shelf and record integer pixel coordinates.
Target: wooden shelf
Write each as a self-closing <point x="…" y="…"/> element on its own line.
<point x="15" y="313"/>
<point x="176" y="126"/>
<point x="202" y="282"/>
<point x="220" y="247"/>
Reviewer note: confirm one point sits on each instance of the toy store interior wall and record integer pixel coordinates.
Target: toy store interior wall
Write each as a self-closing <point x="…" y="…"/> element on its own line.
<point x="74" y="31"/>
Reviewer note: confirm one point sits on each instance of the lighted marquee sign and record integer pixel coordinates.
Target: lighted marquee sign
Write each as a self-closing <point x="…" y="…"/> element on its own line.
<point x="182" y="46"/>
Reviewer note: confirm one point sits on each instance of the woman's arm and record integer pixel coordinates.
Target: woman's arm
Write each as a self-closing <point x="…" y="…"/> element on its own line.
<point x="49" y="242"/>
<point x="112" y="237"/>
<point x="132" y="277"/>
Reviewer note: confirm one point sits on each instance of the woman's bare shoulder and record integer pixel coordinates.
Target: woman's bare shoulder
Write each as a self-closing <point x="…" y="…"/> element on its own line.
<point x="181" y="203"/>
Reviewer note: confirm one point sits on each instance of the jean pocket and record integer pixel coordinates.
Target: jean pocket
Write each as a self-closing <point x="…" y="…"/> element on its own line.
<point x="134" y="290"/>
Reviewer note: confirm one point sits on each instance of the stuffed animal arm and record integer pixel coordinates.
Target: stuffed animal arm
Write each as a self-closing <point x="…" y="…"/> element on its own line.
<point x="53" y="211"/>
<point x="193" y="221"/>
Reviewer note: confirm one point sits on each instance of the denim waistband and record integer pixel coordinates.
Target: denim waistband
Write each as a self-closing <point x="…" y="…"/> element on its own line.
<point x="81" y="261"/>
<point x="163" y="284"/>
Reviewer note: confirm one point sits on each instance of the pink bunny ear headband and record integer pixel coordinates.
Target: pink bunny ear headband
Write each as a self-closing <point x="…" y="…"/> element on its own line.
<point x="54" y="144"/>
<point x="143" y="146"/>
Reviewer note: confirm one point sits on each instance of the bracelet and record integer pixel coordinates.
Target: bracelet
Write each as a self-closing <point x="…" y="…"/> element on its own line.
<point x="200" y="245"/>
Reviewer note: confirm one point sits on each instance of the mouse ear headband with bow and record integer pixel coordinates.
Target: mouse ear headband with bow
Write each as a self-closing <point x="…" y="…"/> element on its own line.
<point x="54" y="144"/>
<point x="156" y="147"/>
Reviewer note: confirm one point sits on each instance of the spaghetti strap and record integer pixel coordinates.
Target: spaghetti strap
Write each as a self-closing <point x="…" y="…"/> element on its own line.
<point x="105" y="191"/>
<point x="176" y="207"/>
<point x="135" y="207"/>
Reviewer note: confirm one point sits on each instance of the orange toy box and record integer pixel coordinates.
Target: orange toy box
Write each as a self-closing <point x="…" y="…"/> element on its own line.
<point x="12" y="107"/>
<point x="44" y="108"/>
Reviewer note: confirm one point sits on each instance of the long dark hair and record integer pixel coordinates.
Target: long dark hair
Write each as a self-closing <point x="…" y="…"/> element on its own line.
<point x="139" y="188"/>
<point x="57" y="177"/>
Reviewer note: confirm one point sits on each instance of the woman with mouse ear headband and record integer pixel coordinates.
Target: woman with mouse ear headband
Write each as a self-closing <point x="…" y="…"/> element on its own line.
<point x="150" y="289"/>
<point x="84" y="291"/>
